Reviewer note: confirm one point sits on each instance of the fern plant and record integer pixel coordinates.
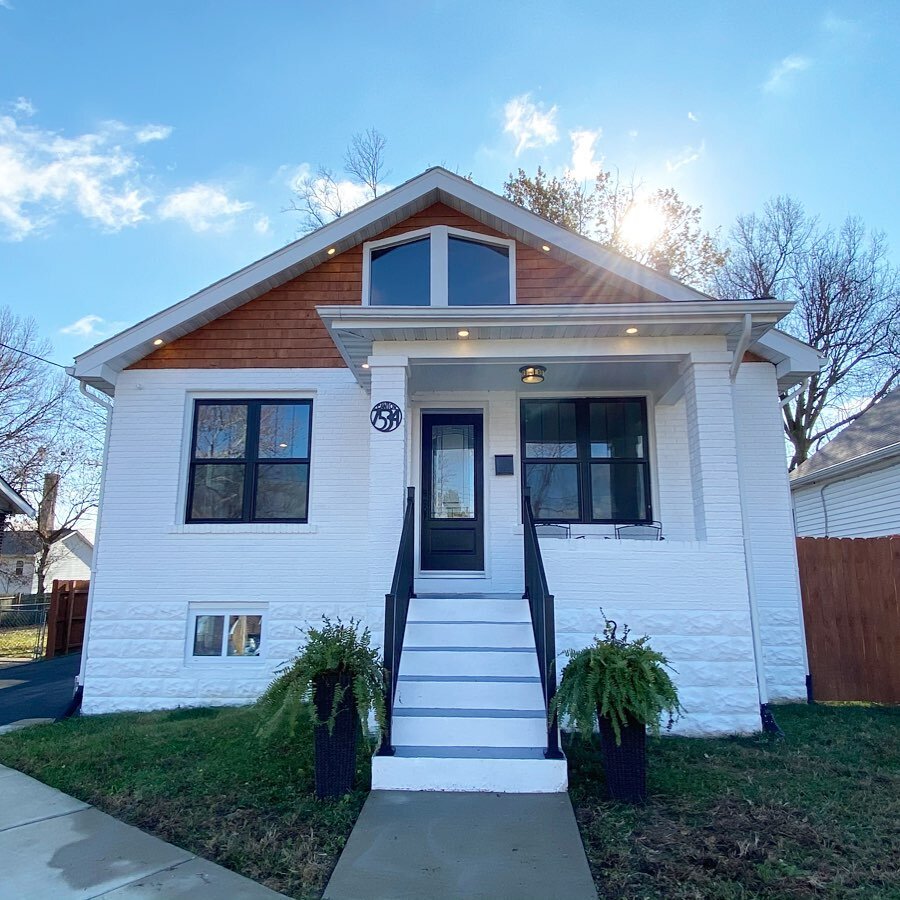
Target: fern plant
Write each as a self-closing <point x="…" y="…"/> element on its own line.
<point x="618" y="678"/>
<point x="336" y="648"/>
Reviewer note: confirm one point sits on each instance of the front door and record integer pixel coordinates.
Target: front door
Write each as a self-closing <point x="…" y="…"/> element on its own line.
<point x="452" y="492"/>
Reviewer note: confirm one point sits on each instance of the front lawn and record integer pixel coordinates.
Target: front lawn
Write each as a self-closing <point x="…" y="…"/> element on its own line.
<point x="814" y="815"/>
<point x="200" y="779"/>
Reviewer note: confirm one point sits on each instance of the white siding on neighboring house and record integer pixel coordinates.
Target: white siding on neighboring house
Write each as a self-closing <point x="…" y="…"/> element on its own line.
<point x="70" y="560"/>
<point x="862" y="505"/>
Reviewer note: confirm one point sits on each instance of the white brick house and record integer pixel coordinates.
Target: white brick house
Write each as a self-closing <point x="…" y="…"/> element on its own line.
<point x="243" y="454"/>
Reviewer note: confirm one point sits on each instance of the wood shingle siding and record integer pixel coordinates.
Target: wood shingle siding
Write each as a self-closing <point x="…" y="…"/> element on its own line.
<point x="281" y="329"/>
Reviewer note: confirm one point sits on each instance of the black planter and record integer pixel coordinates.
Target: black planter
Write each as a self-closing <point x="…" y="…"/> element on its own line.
<point x="335" y="752"/>
<point x="625" y="765"/>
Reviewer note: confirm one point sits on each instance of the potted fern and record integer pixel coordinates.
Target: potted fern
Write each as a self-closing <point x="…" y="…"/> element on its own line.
<point x="335" y="680"/>
<point x="621" y="685"/>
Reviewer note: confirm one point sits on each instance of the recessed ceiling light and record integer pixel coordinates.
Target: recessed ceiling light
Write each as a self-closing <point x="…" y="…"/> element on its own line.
<point x="631" y="330"/>
<point x="332" y="251"/>
<point x="283" y="446"/>
<point x="158" y="342"/>
<point x="545" y="248"/>
<point x="365" y="365"/>
<point x="463" y="333"/>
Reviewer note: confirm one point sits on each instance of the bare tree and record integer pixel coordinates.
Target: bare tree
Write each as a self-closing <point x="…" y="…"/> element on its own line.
<point x="323" y="196"/>
<point x="607" y="210"/>
<point x="847" y="297"/>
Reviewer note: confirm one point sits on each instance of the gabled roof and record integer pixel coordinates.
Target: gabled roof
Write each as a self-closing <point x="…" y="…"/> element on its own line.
<point x="100" y="365"/>
<point x="873" y="437"/>
<point x="12" y="503"/>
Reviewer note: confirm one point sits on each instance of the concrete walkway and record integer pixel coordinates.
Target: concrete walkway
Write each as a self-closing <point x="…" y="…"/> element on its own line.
<point x="53" y="845"/>
<point x="411" y="844"/>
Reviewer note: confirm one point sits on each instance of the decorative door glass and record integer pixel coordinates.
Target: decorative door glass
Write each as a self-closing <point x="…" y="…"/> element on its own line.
<point x="453" y="471"/>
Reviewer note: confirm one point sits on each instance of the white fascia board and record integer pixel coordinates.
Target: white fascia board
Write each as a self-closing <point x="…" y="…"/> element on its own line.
<point x="848" y="467"/>
<point x="132" y="344"/>
<point x="794" y="360"/>
<point x="17" y="504"/>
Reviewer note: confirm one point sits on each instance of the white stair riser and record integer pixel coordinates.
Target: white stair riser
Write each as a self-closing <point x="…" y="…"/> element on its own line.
<point x="456" y="731"/>
<point x="531" y="776"/>
<point x="450" y="662"/>
<point x="457" y="610"/>
<point x="511" y="634"/>
<point x="469" y="695"/>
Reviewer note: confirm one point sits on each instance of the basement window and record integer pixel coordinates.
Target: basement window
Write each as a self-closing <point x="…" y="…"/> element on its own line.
<point x="226" y="635"/>
<point x="439" y="266"/>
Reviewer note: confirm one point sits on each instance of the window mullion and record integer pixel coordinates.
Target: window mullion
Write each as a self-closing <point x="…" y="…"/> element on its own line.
<point x="251" y="454"/>
<point x="440" y="291"/>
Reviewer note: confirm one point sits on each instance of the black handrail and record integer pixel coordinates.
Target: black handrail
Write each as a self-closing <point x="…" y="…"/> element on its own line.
<point x="396" y="607"/>
<point x="540" y="602"/>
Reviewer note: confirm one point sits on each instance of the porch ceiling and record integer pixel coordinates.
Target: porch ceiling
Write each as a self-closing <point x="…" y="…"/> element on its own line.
<point x="355" y="329"/>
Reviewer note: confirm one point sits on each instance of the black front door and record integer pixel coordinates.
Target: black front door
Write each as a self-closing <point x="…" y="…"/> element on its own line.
<point x="452" y="492"/>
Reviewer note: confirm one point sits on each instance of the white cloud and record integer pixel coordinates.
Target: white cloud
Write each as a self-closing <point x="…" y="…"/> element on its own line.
<point x="584" y="166"/>
<point x="692" y="117"/>
<point x="262" y="225"/>
<point x="687" y="156"/>
<point x="529" y="123"/>
<point x="91" y="326"/>
<point x="22" y="106"/>
<point x="152" y="133"/>
<point x="340" y="194"/>
<point x="43" y="174"/>
<point x="6" y="4"/>
<point x="202" y="207"/>
<point x="789" y="66"/>
<point x="633" y="133"/>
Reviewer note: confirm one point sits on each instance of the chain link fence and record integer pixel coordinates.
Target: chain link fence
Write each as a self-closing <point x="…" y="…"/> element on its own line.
<point x="23" y="626"/>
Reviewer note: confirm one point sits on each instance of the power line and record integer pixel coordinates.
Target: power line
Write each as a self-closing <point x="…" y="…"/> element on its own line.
<point x="26" y="353"/>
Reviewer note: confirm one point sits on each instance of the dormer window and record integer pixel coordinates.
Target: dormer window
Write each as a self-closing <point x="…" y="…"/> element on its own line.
<point x="439" y="266"/>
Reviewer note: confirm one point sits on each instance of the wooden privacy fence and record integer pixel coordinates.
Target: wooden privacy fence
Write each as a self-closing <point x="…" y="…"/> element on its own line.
<point x="66" y="617"/>
<point x="851" y="607"/>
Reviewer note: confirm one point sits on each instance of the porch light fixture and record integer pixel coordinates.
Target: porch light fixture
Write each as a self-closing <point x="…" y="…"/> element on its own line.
<point x="532" y="374"/>
<point x="462" y="332"/>
<point x="545" y="248"/>
<point x="158" y="342"/>
<point x="631" y="330"/>
<point x="331" y="251"/>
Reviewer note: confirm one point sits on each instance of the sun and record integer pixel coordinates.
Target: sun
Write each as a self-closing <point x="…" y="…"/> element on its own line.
<point x="643" y="225"/>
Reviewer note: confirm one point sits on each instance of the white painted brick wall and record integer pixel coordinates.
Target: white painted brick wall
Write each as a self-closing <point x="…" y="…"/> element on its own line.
<point x="676" y="498"/>
<point x="770" y="530"/>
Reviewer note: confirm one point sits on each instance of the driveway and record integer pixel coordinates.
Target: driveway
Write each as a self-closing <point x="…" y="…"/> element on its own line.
<point x="37" y="690"/>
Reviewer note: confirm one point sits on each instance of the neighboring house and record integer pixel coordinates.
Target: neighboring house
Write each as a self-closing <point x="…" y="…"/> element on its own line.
<point x="265" y="430"/>
<point x="851" y="486"/>
<point x="70" y="558"/>
<point x="15" y="556"/>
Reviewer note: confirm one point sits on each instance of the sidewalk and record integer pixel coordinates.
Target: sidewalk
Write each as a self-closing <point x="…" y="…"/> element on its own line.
<point x="416" y="844"/>
<point x="56" y="846"/>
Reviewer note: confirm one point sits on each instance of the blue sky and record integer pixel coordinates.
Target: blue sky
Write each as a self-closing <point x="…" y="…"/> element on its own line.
<point x="147" y="150"/>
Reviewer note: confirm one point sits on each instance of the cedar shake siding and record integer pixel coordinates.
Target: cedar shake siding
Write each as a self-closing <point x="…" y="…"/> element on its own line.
<point x="281" y="329"/>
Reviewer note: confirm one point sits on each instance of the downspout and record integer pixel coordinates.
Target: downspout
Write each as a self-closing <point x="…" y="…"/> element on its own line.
<point x="108" y="408"/>
<point x="765" y="714"/>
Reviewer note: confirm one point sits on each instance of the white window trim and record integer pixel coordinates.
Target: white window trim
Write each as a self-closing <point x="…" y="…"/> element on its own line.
<point x="439" y="236"/>
<point x="226" y="610"/>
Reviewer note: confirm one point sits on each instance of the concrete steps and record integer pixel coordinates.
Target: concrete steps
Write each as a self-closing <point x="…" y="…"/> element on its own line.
<point x="469" y="712"/>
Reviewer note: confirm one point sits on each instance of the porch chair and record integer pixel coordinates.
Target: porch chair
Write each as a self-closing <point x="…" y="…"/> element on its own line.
<point x="651" y="531"/>
<point x="553" y="531"/>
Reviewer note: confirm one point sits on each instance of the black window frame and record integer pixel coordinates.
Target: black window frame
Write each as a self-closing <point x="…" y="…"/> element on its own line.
<point x="583" y="460"/>
<point x="251" y="460"/>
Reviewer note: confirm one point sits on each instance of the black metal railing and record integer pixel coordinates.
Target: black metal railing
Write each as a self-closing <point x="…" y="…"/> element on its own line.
<point x="540" y="602"/>
<point x="396" y="607"/>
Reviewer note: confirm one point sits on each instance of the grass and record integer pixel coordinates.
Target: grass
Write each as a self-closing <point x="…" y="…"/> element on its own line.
<point x="200" y="779"/>
<point x="816" y="814"/>
<point x="18" y="642"/>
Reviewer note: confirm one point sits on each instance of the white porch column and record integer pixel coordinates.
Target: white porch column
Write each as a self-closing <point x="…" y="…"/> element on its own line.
<point x="713" y="449"/>
<point x="388" y="478"/>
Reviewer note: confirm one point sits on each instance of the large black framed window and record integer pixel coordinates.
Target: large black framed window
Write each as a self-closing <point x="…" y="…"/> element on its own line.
<point x="250" y="461"/>
<point x="587" y="460"/>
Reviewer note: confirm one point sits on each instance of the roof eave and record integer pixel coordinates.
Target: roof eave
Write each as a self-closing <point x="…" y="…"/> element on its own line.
<point x="847" y="467"/>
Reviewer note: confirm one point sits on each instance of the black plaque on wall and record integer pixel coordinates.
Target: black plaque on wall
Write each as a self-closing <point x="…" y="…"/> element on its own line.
<point x="503" y="464"/>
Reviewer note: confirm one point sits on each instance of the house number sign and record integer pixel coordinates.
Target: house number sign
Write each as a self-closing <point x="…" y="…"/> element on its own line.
<point x="386" y="416"/>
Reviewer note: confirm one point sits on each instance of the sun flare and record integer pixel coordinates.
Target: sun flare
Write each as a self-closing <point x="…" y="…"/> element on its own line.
<point x="643" y="225"/>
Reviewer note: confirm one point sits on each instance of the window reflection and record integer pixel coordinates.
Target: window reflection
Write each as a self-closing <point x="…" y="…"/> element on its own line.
<point x="453" y="471"/>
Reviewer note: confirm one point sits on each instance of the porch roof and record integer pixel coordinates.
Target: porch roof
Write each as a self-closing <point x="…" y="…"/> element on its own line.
<point x="356" y="329"/>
